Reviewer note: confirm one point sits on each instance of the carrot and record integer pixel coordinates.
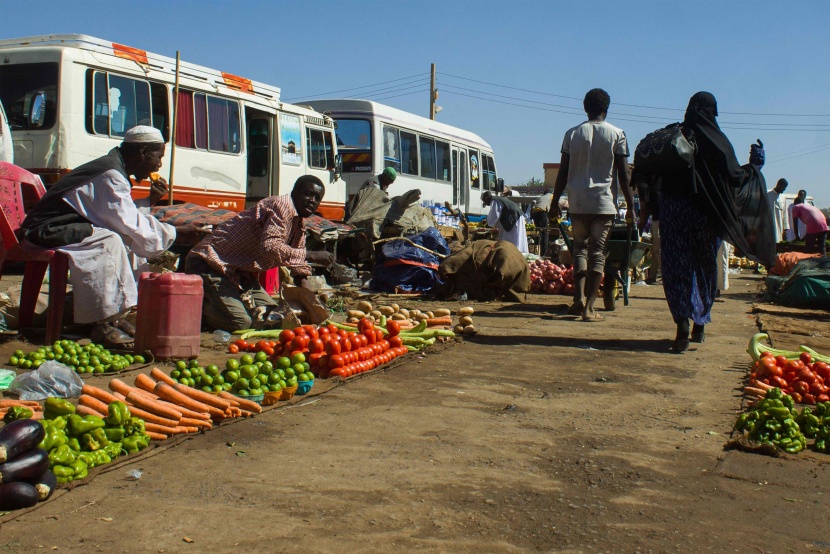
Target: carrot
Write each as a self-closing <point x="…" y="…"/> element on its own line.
<point x="159" y="375"/>
<point x="167" y="392"/>
<point x="156" y="436"/>
<point x="117" y="385"/>
<point x="152" y="418"/>
<point x="203" y="397"/>
<point x="192" y="414"/>
<point x="94" y="403"/>
<point x="153" y="406"/>
<point x="100" y="394"/>
<point x="752" y="391"/>
<point x="190" y="422"/>
<point x="144" y="382"/>
<point x="86" y="410"/>
<point x="245" y="413"/>
<point x="435" y="321"/>
<point x="120" y="397"/>
<point x="178" y="430"/>
<point x="244" y="404"/>
<point x="760" y="385"/>
<point x="9" y="402"/>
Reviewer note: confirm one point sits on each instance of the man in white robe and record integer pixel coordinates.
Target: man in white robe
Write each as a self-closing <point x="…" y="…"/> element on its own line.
<point x="776" y="204"/>
<point x="502" y="214"/>
<point x="90" y="216"/>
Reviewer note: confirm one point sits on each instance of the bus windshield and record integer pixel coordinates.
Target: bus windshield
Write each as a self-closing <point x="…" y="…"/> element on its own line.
<point x="18" y="86"/>
<point x="354" y="133"/>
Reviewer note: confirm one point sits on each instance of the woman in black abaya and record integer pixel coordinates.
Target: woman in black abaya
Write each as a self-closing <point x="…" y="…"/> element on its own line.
<point x="718" y="199"/>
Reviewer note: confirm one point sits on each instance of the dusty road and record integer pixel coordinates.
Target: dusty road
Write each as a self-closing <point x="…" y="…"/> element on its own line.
<point x="541" y="433"/>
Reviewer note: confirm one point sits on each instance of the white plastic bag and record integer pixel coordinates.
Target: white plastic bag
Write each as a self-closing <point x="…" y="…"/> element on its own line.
<point x="50" y="379"/>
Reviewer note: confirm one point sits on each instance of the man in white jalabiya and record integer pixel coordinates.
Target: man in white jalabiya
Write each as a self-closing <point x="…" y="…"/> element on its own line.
<point x="507" y="217"/>
<point x="90" y="216"/>
<point x="776" y="204"/>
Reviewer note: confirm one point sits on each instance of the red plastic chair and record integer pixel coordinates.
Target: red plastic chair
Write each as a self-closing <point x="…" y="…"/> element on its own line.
<point x="20" y="190"/>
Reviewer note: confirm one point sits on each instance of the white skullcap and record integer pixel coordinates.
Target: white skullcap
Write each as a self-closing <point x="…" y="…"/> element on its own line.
<point x="143" y="134"/>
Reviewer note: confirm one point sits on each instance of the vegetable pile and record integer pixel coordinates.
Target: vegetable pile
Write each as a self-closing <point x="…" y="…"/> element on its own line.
<point x="408" y="318"/>
<point x="547" y="277"/>
<point x="804" y="375"/>
<point x="774" y="421"/>
<point x="89" y="358"/>
<point x="25" y="477"/>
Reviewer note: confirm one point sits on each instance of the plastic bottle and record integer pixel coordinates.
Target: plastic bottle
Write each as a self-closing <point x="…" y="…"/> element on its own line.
<point x="221" y="337"/>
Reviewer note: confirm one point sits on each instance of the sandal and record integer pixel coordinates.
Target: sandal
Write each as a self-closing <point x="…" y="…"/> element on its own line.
<point x="111" y="337"/>
<point x="593" y="319"/>
<point x="125" y="326"/>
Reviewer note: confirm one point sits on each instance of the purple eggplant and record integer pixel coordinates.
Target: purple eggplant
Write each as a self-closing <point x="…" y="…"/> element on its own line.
<point x="45" y="484"/>
<point x="19" y="436"/>
<point x="25" y="467"/>
<point x="14" y="496"/>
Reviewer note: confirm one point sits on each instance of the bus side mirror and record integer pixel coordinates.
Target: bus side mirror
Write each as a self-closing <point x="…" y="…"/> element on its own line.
<point x="36" y="116"/>
<point x="338" y="166"/>
<point x="499" y="185"/>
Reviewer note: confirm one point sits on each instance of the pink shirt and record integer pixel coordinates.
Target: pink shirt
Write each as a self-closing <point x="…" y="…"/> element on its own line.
<point x="811" y="216"/>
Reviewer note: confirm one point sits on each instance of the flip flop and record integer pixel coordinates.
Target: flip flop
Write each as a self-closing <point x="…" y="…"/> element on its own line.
<point x="575" y="309"/>
<point x="125" y="326"/>
<point x="112" y="338"/>
<point x="594" y="319"/>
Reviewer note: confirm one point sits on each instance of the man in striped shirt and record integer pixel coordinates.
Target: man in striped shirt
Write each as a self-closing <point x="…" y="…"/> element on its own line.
<point x="268" y="235"/>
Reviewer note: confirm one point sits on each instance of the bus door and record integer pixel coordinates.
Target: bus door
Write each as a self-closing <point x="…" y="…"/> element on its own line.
<point x="460" y="179"/>
<point x="261" y="169"/>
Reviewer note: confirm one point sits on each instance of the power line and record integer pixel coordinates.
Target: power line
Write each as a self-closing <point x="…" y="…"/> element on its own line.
<point x="356" y="88"/>
<point x="821" y="146"/>
<point x="404" y="94"/>
<point x="630" y="105"/>
<point x="815" y="151"/>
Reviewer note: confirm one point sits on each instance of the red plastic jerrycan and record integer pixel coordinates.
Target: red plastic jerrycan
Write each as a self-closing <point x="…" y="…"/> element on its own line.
<point x="169" y="319"/>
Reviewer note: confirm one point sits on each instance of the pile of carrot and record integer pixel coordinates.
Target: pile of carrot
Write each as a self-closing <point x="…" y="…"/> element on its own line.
<point x="167" y="407"/>
<point x="34" y="405"/>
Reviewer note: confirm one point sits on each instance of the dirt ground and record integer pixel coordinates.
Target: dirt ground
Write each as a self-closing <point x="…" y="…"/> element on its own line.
<point x="540" y="433"/>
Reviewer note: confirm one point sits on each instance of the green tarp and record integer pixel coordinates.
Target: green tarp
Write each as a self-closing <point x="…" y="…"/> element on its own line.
<point x="807" y="285"/>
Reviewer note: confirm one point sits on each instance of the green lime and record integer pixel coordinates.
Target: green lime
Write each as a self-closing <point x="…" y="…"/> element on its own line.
<point x="186" y="372"/>
<point x="291" y="382"/>
<point x="303" y="377"/>
<point x="212" y="370"/>
<point x="206" y="380"/>
<point x="138" y="359"/>
<point x="231" y="376"/>
<point x="274" y="379"/>
<point x="241" y="384"/>
<point x="255" y="384"/>
<point x="261" y="356"/>
<point x="246" y="359"/>
<point x="274" y="387"/>
<point x="242" y="392"/>
<point x="248" y="371"/>
<point x="290" y="373"/>
<point x="14" y="360"/>
<point x="284" y="362"/>
<point x="217" y="388"/>
<point x="181" y="364"/>
<point x="19" y="354"/>
<point x="298" y="368"/>
<point x="268" y="365"/>
<point x="297" y="358"/>
<point x="218" y="380"/>
<point x="231" y="365"/>
<point x="283" y="383"/>
<point x="175" y="374"/>
<point x="207" y="388"/>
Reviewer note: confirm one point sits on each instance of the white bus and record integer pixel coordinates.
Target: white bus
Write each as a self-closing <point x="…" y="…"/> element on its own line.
<point x="71" y="98"/>
<point x="446" y="163"/>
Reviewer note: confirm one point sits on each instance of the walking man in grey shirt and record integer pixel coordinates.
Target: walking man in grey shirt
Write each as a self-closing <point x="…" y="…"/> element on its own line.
<point x="594" y="161"/>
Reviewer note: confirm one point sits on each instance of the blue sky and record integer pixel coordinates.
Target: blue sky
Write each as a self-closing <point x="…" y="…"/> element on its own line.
<point x="758" y="58"/>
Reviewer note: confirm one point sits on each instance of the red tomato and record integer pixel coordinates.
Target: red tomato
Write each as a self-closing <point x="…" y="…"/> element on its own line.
<point x="251" y="347"/>
<point x="268" y="350"/>
<point x="300" y="342"/>
<point x="332" y="328"/>
<point x="822" y="369"/>
<point x="823" y="398"/>
<point x="378" y="335"/>
<point x="333" y="347"/>
<point x="351" y="335"/>
<point x="262" y="344"/>
<point x="393" y="327"/>
<point x="316" y="346"/>
<point x="347" y="345"/>
<point x="323" y="331"/>
<point x="384" y="344"/>
<point x="287" y="336"/>
<point x="371" y="338"/>
<point x="796" y="397"/>
<point x="299" y="330"/>
<point x="801" y="387"/>
<point x="336" y="372"/>
<point x="806" y="375"/>
<point x="364" y="324"/>
<point x="766" y="353"/>
<point x="314" y="358"/>
<point x="816" y="389"/>
<point x="336" y="361"/>
<point x="778" y="382"/>
<point x="806" y="357"/>
<point x="323" y="361"/>
<point x="241" y="343"/>
<point x="809" y="399"/>
<point x="233" y="349"/>
<point x="781" y="360"/>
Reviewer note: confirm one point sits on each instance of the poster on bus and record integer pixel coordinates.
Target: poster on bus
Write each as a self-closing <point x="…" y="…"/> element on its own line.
<point x="291" y="144"/>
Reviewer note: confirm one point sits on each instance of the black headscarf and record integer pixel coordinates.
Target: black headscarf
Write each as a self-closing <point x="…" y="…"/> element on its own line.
<point x="734" y="196"/>
<point x="510" y="213"/>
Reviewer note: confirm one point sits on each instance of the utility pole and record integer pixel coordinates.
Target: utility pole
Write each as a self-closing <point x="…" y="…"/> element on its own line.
<point x="433" y="94"/>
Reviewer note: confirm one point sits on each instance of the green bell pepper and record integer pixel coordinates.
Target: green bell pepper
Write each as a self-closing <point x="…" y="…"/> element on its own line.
<point x="54" y="436"/>
<point x="118" y="412"/>
<point x="56" y="407"/>
<point x="134" y="443"/>
<point x="113" y="449"/>
<point x="95" y="459"/>
<point x="134" y="426"/>
<point x="62" y="456"/>
<point x="17" y="412"/>
<point x="114" y="434"/>
<point x="80" y="469"/>
<point x="74" y="444"/>
<point x="78" y="425"/>
<point x="59" y="422"/>
<point x="94" y="440"/>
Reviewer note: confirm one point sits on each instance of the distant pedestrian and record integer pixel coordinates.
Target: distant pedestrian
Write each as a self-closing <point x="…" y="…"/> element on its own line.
<point x="541" y="219"/>
<point x="797" y="229"/>
<point x="594" y="161"/>
<point x="816" y="224"/>
<point x="506" y="216"/>
<point x="776" y="204"/>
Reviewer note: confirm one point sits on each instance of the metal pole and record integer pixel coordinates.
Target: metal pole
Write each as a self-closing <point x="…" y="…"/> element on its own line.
<point x="175" y="117"/>
<point x="432" y="92"/>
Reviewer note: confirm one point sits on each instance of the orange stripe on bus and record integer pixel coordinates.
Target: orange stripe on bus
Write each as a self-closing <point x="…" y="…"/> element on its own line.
<point x="130" y="53"/>
<point x="239" y="83"/>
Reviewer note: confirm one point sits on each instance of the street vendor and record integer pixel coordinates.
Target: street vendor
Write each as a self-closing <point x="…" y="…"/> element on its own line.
<point x="268" y="235"/>
<point x="90" y="216"/>
<point x="382" y="182"/>
<point x="816" y="224"/>
<point x="539" y="214"/>
<point x="506" y="216"/>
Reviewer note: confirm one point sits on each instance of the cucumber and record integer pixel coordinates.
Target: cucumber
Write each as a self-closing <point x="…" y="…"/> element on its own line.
<point x="14" y="496"/>
<point x="19" y="436"/>
<point x="25" y="467"/>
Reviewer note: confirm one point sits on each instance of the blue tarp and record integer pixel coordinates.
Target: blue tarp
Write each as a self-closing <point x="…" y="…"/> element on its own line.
<point x="390" y="275"/>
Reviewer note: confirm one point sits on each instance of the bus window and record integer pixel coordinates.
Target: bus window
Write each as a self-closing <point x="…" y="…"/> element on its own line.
<point x="116" y="104"/>
<point x="455" y="185"/>
<point x="354" y="133"/>
<point x="320" y="153"/>
<point x="475" y="182"/>
<point x="442" y="158"/>
<point x="158" y="102"/>
<point x="428" y="158"/>
<point x="19" y="83"/>
<point x="223" y="125"/>
<point x="488" y="173"/>
<point x="258" y="147"/>
<point x="391" y="148"/>
<point x="409" y="151"/>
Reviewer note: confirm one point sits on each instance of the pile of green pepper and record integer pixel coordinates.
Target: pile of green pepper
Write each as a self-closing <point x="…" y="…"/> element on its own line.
<point x="817" y="423"/>
<point x="773" y="421"/>
<point x="78" y="443"/>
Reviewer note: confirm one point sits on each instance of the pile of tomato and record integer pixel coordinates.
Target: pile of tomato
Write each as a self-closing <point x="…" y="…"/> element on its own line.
<point x="806" y="381"/>
<point x="241" y="345"/>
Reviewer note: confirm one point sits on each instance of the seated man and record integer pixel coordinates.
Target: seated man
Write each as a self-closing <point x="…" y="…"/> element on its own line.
<point x="506" y="216"/>
<point x="816" y="224"/>
<point x="89" y="216"/>
<point x="381" y="183"/>
<point x="268" y="235"/>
